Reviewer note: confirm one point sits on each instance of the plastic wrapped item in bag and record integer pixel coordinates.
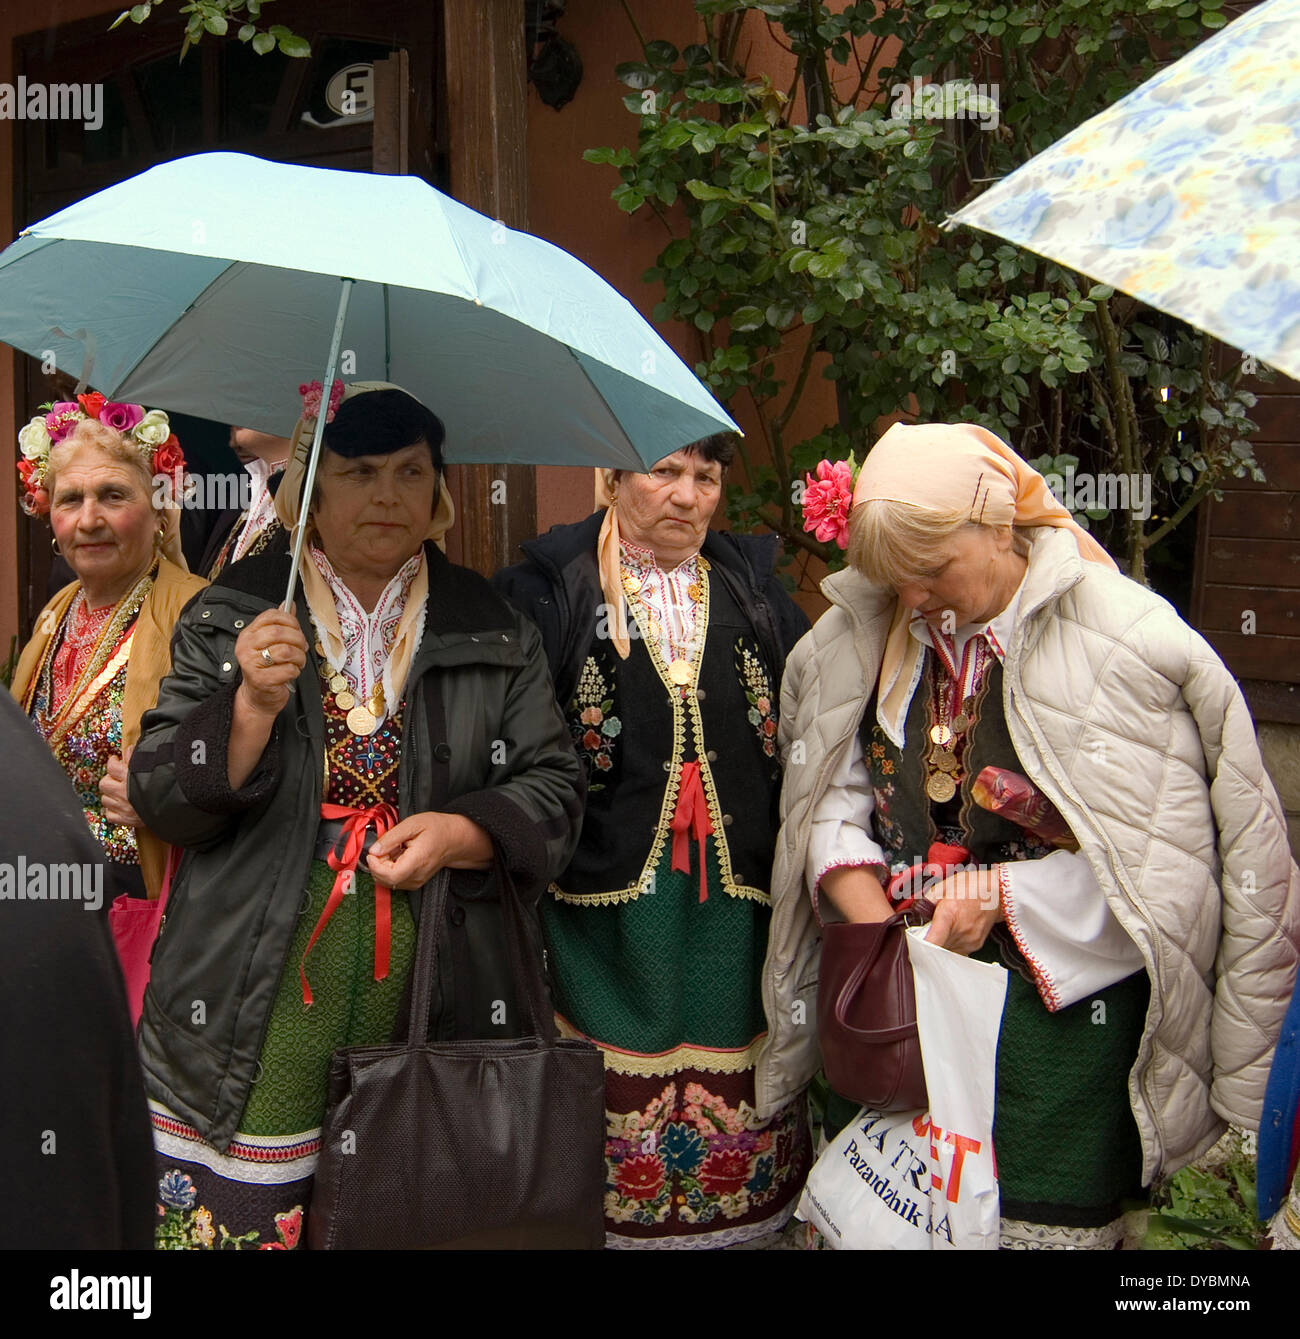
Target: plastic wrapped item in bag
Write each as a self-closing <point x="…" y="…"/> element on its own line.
<point x="1015" y="797"/>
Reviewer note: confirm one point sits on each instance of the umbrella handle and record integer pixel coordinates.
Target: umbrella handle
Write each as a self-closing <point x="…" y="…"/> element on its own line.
<point x="309" y="480"/>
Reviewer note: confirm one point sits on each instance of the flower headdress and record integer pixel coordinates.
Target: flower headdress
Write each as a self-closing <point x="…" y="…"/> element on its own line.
<point x="149" y="430"/>
<point x="311" y="392"/>
<point x="828" y="498"/>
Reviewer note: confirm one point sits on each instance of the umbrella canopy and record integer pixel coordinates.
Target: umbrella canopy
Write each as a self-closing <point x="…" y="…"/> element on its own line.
<point x="1185" y="193"/>
<point x="210" y="285"/>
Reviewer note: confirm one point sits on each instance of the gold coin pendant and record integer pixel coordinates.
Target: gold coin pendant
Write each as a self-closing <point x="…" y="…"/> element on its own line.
<point x="361" y="721"/>
<point x="940" y="787"/>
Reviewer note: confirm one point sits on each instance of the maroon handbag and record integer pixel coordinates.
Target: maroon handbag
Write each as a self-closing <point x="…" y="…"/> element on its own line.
<point x="866" y="1012"/>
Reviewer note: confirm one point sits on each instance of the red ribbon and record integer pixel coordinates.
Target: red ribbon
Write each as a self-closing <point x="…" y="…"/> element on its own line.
<point x="355" y="822"/>
<point x="691" y="822"/>
<point x="940" y="861"/>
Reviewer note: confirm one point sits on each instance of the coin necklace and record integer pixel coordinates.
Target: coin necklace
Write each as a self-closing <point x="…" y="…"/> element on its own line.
<point x="361" y="719"/>
<point x="955" y="713"/>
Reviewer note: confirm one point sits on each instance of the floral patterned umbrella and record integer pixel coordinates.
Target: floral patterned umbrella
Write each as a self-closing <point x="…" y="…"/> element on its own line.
<point x="1185" y="193"/>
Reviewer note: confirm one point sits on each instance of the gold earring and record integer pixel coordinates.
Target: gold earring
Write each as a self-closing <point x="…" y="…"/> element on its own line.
<point x="54" y="546"/>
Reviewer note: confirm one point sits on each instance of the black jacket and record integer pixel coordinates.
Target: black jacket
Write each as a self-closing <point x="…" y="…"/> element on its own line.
<point x="481" y="737"/>
<point x="558" y="587"/>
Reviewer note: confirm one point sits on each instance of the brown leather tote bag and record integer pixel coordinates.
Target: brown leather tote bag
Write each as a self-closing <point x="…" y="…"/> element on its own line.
<point x="866" y="1012"/>
<point x="495" y="1144"/>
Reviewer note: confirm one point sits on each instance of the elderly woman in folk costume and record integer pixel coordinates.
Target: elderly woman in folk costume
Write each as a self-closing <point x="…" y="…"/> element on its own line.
<point x="400" y="721"/>
<point x="1127" y="859"/>
<point x="657" y="929"/>
<point x="106" y="474"/>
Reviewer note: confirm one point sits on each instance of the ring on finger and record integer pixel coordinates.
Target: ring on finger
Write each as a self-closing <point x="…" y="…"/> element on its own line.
<point x="267" y="658"/>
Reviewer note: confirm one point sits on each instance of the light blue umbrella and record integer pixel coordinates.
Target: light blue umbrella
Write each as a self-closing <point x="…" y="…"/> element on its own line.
<point x="1186" y="192"/>
<point x="213" y="285"/>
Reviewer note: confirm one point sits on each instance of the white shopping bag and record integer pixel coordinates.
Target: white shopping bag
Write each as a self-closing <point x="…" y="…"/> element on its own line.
<point x="919" y="1180"/>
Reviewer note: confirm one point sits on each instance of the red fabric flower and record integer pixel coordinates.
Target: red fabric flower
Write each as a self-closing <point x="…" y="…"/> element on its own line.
<point x="641" y="1177"/>
<point x="26" y="468"/>
<point x="169" y="459"/>
<point x="91" y="403"/>
<point x="769" y="726"/>
<point x="725" y="1171"/>
<point x="591" y="740"/>
<point x="826" y="502"/>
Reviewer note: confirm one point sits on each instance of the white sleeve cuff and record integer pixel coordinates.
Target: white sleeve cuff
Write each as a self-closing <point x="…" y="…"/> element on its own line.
<point x="1060" y="919"/>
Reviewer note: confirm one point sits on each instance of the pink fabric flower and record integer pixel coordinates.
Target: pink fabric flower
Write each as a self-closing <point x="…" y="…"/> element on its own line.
<point x="123" y="417"/>
<point x="64" y="415"/>
<point x="311" y="393"/>
<point x="826" y="502"/>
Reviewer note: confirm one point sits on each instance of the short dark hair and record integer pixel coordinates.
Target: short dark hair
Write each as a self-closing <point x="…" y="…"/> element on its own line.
<point x="377" y="423"/>
<point x="721" y="447"/>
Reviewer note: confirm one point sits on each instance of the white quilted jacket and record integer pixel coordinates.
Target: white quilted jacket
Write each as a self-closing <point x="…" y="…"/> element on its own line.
<point x="1132" y="726"/>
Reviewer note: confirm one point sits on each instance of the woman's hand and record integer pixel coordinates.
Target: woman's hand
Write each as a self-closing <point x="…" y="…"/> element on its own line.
<point x="266" y="686"/>
<point x="968" y="905"/>
<point x="410" y="853"/>
<point x="112" y="793"/>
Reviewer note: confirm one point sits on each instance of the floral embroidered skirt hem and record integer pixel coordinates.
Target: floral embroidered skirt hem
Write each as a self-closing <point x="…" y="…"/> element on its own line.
<point x="667" y="986"/>
<point x="255" y="1195"/>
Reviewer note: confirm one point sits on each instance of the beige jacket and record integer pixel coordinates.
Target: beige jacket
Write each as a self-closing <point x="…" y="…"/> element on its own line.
<point x="1129" y="722"/>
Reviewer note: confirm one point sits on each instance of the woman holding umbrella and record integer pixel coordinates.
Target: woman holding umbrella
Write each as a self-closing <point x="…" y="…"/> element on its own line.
<point x="400" y="721"/>
<point x="100" y="649"/>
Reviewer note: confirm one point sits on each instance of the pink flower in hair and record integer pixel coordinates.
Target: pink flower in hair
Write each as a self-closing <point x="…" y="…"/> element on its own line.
<point x="64" y="415"/>
<point x="826" y="501"/>
<point x="311" y="393"/>
<point x="123" y="417"/>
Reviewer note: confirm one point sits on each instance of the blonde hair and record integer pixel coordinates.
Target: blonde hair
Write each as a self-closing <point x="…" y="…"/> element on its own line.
<point x="894" y="543"/>
<point x="109" y="442"/>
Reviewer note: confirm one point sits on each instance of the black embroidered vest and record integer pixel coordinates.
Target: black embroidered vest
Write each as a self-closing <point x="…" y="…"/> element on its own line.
<point x="906" y="821"/>
<point x="633" y="730"/>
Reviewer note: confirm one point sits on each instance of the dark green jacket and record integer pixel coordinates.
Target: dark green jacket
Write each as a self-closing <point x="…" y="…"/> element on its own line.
<point x="481" y="737"/>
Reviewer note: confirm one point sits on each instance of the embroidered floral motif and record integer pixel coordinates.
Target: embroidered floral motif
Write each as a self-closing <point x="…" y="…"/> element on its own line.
<point x="593" y="728"/>
<point x="184" y="1227"/>
<point x="758" y="692"/>
<point x="698" y="1162"/>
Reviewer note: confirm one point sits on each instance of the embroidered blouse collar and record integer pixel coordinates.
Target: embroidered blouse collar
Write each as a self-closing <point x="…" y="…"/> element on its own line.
<point x="367" y="637"/>
<point x="642" y="562"/>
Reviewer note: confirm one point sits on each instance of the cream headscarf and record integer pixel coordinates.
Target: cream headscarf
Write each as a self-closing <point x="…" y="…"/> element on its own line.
<point x="320" y="600"/>
<point x="608" y="559"/>
<point x="945" y="467"/>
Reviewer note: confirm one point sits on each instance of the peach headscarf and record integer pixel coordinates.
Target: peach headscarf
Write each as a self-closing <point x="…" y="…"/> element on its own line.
<point x="945" y="467"/>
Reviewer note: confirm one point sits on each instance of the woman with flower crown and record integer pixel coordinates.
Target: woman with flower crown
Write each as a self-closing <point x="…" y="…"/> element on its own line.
<point x="108" y="476"/>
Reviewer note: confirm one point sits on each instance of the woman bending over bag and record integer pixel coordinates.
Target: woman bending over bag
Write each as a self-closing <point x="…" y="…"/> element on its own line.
<point x="1151" y="935"/>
